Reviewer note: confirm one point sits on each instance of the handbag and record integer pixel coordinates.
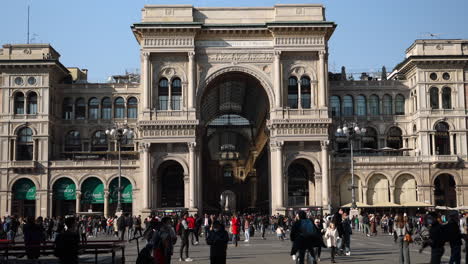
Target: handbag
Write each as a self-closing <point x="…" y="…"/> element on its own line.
<point x="408" y="238"/>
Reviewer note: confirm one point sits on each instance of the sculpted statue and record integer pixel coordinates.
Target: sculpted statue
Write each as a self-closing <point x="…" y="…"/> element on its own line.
<point x="228" y="201"/>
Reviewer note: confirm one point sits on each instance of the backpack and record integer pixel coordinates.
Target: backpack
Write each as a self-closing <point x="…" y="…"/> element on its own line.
<point x="178" y="229"/>
<point x="144" y="257"/>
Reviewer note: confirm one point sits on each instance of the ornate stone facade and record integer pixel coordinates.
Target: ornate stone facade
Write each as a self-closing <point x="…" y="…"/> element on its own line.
<point x="234" y="100"/>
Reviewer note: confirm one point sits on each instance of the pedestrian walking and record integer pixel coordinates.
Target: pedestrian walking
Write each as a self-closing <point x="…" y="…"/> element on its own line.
<point x="183" y="231"/>
<point x="403" y="237"/>
<point x="217" y="239"/>
<point x="332" y="237"/>
<point x="247" y="229"/>
<point x="453" y="234"/>
<point x="346" y="236"/>
<point x="235" y="229"/>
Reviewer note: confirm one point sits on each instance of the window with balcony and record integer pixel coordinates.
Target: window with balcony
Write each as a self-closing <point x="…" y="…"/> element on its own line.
<point x="132" y="108"/>
<point x="348" y="105"/>
<point x="24" y="144"/>
<point x="335" y="105"/>
<point x="163" y="94"/>
<point x="434" y="98"/>
<point x="369" y="139"/>
<point x="292" y="93"/>
<point x="442" y="139"/>
<point x="67" y="108"/>
<point x="119" y="108"/>
<point x="99" y="141"/>
<point x="399" y="104"/>
<point x="73" y="141"/>
<point x="387" y="108"/>
<point x="176" y="94"/>
<point x="106" y="110"/>
<point x="93" y="109"/>
<point x="305" y="92"/>
<point x="394" y="138"/>
<point x="32" y="103"/>
<point x="19" y="103"/>
<point x="361" y="105"/>
<point x="80" y="109"/>
<point x="447" y="98"/>
<point x="374" y="106"/>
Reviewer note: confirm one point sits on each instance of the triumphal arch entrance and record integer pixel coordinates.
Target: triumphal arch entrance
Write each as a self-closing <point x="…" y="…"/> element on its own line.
<point x="234" y="106"/>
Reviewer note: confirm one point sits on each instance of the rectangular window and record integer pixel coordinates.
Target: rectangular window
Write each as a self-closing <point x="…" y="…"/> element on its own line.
<point x="176" y="101"/>
<point x="292" y="101"/>
<point x="305" y="100"/>
<point x="80" y="112"/>
<point x="119" y="112"/>
<point x="132" y="113"/>
<point x="93" y="114"/>
<point x="32" y="108"/>
<point x="106" y="113"/>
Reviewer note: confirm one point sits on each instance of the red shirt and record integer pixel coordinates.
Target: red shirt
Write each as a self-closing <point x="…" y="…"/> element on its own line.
<point x="235" y="226"/>
<point x="191" y="222"/>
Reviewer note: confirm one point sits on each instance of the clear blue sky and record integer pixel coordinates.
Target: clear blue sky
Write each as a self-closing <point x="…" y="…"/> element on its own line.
<point x="95" y="34"/>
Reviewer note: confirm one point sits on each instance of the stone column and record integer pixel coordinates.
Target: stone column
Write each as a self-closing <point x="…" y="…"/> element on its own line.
<point x="50" y="204"/>
<point x="106" y="203"/>
<point x="322" y="79"/>
<point x="299" y="97"/>
<point x="192" y="166"/>
<point x="452" y="144"/>
<point x="277" y="82"/>
<point x="277" y="202"/>
<point x="253" y="201"/>
<point x="78" y="201"/>
<point x="145" y="152"/>
<point x="433" y="145"/>
<point x="191" y="80"/>
<point x="440" y="99"/>
<point x="392" y="194"/>
<point x="325" y="177"/>
<point x="364" y="194"/>
<point x="318" y="190"/>
<point x="145" y="79"/>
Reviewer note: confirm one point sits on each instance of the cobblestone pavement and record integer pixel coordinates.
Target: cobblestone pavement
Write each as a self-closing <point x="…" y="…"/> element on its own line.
<point x="379" y="249"/>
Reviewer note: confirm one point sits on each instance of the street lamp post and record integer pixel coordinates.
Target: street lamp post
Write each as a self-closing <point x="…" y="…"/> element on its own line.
<point x="119" y="135"/>
<point x="351" y="134"/>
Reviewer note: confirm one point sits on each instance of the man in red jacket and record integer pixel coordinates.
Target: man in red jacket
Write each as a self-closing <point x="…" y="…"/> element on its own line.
<point x="235" y="228"/>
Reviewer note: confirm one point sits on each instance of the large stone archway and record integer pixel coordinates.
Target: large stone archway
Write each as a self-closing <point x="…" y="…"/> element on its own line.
<point x="233" y="111"/>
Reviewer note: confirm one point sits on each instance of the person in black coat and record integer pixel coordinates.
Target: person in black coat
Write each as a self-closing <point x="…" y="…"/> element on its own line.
<point x="437" y="241"/>
<point x="346" y="234"/>
<point x="453" y="235"/>
<point x="218" y="239"/>
<point x="67" y="243"/>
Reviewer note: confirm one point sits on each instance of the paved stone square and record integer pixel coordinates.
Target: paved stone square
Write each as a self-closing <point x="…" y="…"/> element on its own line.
<point x="379" y="249"/>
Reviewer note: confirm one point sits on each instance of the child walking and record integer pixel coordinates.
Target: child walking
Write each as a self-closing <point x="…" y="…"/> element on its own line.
<point x="280" y="233"/>
<point x="332" y="235"/>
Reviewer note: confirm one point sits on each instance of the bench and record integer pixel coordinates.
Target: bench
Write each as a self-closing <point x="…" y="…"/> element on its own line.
<point x="18" y="249"/>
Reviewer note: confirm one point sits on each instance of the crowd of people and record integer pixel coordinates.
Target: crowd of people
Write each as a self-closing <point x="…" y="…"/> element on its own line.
<point x="308" y="233"/>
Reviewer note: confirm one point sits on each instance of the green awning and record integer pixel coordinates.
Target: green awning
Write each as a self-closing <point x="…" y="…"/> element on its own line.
<point x="92" y="191"/>
<point x="126" y="187"/>
<point x="64" y="189"/>
<point x="24" y="189"/>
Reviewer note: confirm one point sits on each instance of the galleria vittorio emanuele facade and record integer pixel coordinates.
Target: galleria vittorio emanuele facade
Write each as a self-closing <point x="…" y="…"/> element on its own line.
<point x="238" y="104"/>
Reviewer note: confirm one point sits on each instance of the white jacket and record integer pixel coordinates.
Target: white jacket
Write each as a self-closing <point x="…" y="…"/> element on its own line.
<point x="331" y="236"/>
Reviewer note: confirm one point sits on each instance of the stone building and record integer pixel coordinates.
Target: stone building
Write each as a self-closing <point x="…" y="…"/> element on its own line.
<point x="234" y="109"/>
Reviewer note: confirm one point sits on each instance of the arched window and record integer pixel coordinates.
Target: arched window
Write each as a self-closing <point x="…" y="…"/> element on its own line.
<point x="67" y="108"/>
<point x="80" y="109"/>
<point x="24" y="144"/>
<point x="176" y="94"/>
<point x="394" y="138"/>
<point x="73" y="141"/>
<point x="93" y="109"/>
<point x="32" y="103"/>
<point x="442" y="139"/>
<point x="106" y="110"/>
<point x="99" y="141"/>
<point x="132" y="108"/>
<point x="369" y="140"/>
<point x="447" y="98"/>
<point x="19" y="103"/>
<point x="292" y="93"/>
<point x="374" y="105"/>
<point x="127" y="142"/>
<point x="399" y="105"/>
<point x="335" y="105"/>
<point x="434" y="97"/>
<point x="163" y="94"/>
<point x="119" y="108"/>
<point x="387" y="108"/>
<point x="361" y="105"/>
<point x="305" y="92"/>
<point x="348" y="106"/>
